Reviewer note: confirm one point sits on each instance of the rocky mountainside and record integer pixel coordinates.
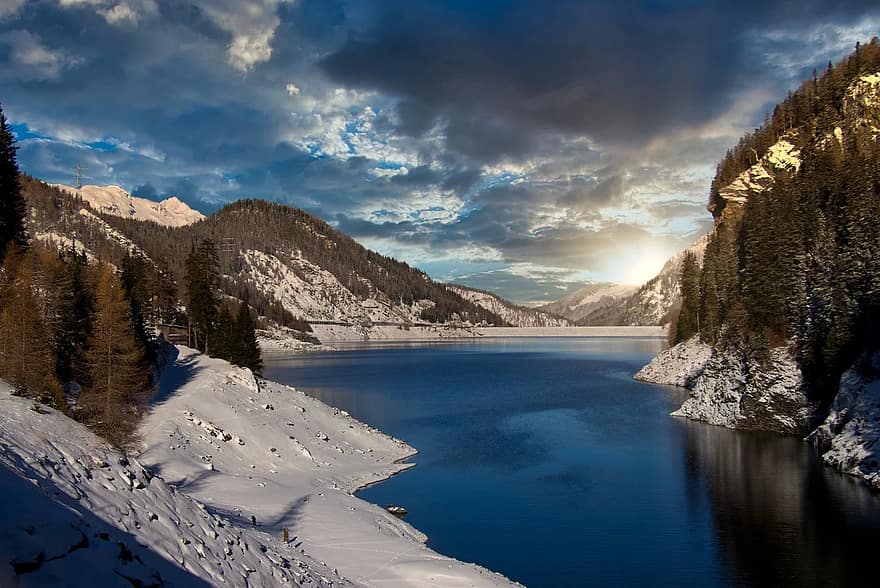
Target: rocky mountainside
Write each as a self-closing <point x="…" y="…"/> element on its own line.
<point x="788" y="307"/>
<point x="651" y="303"/>
<point x="289" y="265"/>
<point x="514" y="314"/>
<point x="114" y="200"/>
<point x="591" y="298"/>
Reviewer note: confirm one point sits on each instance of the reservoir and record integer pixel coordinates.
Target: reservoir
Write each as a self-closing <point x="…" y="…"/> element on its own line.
<point x="543" y="460"/>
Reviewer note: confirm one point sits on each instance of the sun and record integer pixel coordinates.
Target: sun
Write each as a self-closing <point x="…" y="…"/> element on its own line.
<point x="640" y="265"/>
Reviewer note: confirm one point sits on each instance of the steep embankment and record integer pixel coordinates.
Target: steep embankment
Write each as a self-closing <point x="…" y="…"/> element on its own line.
<point x="789" y="294"/>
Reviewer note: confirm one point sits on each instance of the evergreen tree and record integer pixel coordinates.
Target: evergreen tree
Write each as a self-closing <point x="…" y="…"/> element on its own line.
<point x="688" y="323"/>
<point x="202" y="268"/>
<point x="133" y="275"/>
<point x="245" y="349"/>
<point x="118" y="380"/>
<point x="222" y="340"/>
<point x="12" y="208"/>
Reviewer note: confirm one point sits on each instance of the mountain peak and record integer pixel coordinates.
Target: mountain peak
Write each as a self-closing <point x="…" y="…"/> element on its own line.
<point x="114" y="200"/>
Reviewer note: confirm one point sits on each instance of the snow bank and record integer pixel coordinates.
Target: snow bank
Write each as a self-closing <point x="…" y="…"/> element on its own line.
<point x="680" y="365"/>
<point x="849" y="439"/>
<point x="250" y="448"/>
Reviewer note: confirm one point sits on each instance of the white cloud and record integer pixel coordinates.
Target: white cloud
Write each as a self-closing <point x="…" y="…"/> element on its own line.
<point x="116" y="12"/>
<point x="33" y="59"/>
<point x="292" y="89"/>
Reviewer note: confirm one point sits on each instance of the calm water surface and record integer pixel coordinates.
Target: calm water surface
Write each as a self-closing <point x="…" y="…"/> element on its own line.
<point x="542" y="459"/>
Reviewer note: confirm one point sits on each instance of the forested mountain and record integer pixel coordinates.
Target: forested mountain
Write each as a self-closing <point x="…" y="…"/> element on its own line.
<point x="514" y="314"/>
<point x="788" y="295"/>
<point x="289" y="265"/>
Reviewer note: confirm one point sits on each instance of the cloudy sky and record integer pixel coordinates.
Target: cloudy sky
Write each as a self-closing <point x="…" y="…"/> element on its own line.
<point x="521" y="146"/>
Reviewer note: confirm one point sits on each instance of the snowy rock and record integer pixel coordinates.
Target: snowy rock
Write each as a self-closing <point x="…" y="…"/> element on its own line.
<point x="680" y="365"/>
<point x="849" y="439"/>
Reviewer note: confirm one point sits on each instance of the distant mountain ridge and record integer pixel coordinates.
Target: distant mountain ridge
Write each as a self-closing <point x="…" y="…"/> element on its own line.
<point x="516" y="315"/>
<point x="171" y="212"/>
<point x="580" y="304"/>
<point x="290" y="266"/>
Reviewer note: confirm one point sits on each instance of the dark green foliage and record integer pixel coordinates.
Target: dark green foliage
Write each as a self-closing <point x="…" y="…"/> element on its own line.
<point x="12" y="207"/>
<point x="688" y="322"/>
<point x="221" y="341"/>
<point x="202" y="268"/>
<point x="73" y="327"/>
<point x="799" y="264"/>
<point x="245" y="349"/>
<point x="133" y="274"/>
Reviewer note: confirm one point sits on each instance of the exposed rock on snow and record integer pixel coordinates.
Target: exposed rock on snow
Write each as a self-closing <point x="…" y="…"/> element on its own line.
<point x="849" y="439"/>
<point x="114" y="200"/>
<point x="680" y="365"/>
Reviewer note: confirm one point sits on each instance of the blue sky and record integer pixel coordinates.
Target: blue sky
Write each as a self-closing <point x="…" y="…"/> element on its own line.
<point x="520" y="146"/>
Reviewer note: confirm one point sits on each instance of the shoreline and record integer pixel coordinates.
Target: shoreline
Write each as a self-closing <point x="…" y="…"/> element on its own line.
<point x="293" y="462"/>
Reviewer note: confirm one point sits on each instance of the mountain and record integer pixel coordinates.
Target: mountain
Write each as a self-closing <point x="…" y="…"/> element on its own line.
<point x="581" y="303"/>
<point x="651" y="303"/>
<point x="516" y="315"/>
<point x="788" y="303"/>
<point x="290" y="266"/>
<point x="114" y="200"/>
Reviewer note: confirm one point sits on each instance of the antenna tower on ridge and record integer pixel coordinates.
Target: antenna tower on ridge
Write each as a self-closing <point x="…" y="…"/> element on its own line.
<point x="79" y="177"/>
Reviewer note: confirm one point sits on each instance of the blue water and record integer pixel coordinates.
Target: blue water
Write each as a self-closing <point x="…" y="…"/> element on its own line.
<point x="543" y="460"/>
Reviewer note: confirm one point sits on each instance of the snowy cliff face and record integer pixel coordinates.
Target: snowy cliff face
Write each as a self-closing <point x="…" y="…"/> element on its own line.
<point x="517" y="316"/>
<point x="114" y="200"/>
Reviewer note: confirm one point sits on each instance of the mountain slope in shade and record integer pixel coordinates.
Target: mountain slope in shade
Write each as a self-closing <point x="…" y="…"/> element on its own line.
<point x="114" y="200"/>
<point x="592" y="297"/>
<point x="517" y="316"/>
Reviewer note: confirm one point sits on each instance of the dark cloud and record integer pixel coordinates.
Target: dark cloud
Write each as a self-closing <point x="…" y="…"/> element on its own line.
<point x="531" y="133"/>
<point x="501" y="72"/>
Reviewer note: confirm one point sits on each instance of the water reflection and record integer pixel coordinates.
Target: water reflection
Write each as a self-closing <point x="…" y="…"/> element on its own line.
<point x="782" y="519"/>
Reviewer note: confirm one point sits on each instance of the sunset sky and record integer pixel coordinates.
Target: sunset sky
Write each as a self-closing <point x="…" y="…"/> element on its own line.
<point x="520" y="146"/>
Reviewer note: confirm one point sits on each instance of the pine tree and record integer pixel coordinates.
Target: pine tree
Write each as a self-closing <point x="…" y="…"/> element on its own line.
<point x="118" y="380"/>
<point x="222" y="340"/>
<point x="688" y="323"/>
<point x="12" y="207"/>
<point x="201" y="281"/>
<point x="26" y="358"/>
<point x="246" y="350"/>
<point x="133" y="275"/>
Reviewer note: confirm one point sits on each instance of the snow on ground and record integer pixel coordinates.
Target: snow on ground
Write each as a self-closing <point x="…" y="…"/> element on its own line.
<point x="249" y="448"/>
<point x="519" y="316"/>
<point x="77" y="513"/>
<point x="680" y="365"/>
<point x="850" y="436"/>
<point x="279" y="339"/>
<point x="339" y="333"/>
<point x="114" y="200"/>
<point x="782" y="155"/>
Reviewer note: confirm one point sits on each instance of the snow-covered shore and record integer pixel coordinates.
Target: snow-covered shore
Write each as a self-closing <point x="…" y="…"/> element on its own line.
<point x="218" y="448"/>
<point x="340" y="333"/>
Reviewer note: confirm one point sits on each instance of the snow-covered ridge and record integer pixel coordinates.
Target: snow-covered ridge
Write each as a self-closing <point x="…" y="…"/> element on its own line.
<point x="517" y="316"/>
<point x="580" y="303"/>
<point x="114" y="200"/>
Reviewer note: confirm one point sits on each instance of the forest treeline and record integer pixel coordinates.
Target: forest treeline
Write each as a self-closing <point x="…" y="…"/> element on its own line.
<point x="799" y="263"/>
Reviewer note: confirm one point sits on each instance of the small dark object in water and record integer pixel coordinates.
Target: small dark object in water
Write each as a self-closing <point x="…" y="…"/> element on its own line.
<point x="397" y="511"/>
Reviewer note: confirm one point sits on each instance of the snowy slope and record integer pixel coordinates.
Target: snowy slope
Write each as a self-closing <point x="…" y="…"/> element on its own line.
<point x="218" y="448"/>
<point x="680" y="365"/>
<point x="580" y="303"/>
<point x="517" y="316"/>
<point x="252" y="448"/>
<point x="114" y="200"/>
